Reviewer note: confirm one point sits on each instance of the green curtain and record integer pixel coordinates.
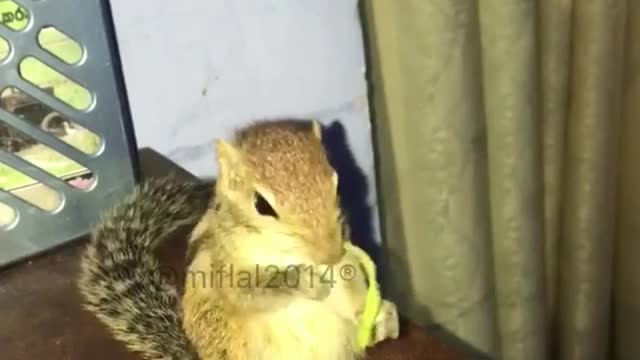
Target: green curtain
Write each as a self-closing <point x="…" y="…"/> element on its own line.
<point x="510" y="195"/>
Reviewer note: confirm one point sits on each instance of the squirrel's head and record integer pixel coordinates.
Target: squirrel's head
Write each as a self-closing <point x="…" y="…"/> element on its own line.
<point x="275" y="179"/>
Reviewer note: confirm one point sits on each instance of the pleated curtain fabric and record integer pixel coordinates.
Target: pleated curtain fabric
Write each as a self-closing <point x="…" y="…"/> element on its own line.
<point x="509" y="170"/>
<point x="626" y="261"/>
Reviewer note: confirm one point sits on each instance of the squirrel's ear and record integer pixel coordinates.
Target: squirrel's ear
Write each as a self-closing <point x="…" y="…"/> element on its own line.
<point x="228" y="159"/>
<point x="317" y="129"/>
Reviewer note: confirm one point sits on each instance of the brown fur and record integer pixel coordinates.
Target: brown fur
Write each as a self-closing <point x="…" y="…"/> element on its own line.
<point x="275" y="149"/>
<point x="287" y="159"/>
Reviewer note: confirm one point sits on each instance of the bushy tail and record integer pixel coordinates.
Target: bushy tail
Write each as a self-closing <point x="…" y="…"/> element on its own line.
<point x="120" y="276"/>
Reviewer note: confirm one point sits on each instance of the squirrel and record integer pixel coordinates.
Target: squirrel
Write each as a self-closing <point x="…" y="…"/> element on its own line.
<point x="265" y="263"/>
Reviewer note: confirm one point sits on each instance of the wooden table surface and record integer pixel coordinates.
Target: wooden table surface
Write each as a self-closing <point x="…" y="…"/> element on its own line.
<point x="42" y="317"/>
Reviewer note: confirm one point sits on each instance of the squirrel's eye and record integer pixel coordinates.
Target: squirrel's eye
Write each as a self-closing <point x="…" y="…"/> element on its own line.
<point x="263" y="207"/>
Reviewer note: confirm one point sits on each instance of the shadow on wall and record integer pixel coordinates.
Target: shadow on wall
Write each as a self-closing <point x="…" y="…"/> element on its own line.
<point x="354" y="190"/>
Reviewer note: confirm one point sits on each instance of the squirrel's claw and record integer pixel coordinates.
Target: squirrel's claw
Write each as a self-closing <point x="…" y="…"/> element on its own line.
<point x="387" y="323"/>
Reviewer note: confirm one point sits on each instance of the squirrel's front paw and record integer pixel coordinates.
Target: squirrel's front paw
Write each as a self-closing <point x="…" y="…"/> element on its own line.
<point x="320" y="291"/>
<point x="318" y="288"/>
<point x="387" y="322"/>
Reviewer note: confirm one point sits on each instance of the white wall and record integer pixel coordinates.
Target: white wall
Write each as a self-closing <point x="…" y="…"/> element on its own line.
<point x="196" y="70"/>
